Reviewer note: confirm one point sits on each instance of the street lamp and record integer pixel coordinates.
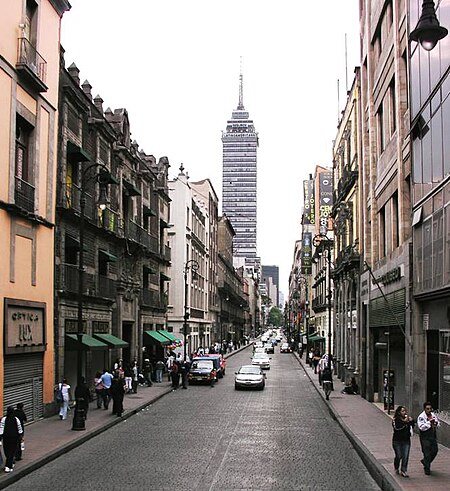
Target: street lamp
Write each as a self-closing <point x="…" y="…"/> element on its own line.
<point x="321" y="240"/>
<point x="428" y="31"/>
<point x="103" y="178"/>
<point x="192" y="265"/>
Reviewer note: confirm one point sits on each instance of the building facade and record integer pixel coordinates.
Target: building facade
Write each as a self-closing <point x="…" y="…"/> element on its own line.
<point x="29" y="78"/>
<point x="386" y="184"/>
<point x="274" y="273"/>
<point x="430" y="143"/>
<point x="346" y="213"/>
<point x="239" y="183"/>
<point x="111" y="255"/>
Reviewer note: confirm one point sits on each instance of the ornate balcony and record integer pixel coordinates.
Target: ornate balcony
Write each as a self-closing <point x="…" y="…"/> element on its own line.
<point x="24" y="195"/>
<point x="31" y="67"/>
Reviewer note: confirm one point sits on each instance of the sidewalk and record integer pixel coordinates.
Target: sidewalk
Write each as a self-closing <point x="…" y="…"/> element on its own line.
<point x="48" y="438"/>
<point x="369" y="429"/>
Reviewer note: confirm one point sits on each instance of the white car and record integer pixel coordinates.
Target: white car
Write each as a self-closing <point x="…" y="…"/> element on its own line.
<point x="262" y="360"/>
<point x="264" y="339"/>
<point x="250" y="376"/>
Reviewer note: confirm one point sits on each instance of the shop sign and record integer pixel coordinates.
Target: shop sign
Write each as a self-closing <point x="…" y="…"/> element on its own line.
<point x="25" y="326"/>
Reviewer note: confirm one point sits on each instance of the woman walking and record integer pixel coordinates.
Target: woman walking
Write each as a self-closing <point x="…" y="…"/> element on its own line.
<point x="65" y="389"/>
<point x="11" y="432"/>
<point x="402" y="425"/>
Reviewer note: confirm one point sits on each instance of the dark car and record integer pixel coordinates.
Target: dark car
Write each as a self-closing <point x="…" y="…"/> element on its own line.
<point x="269" y="348"/>
<point x="202" y="371"/>
<point x="219" y="363"/>
<point x="285" y="348"/>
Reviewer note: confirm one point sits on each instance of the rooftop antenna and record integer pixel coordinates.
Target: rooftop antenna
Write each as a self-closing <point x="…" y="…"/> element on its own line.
<point x="241" y="88"/>
<point x="338" y="102"/>
<point x="346" y="65"/>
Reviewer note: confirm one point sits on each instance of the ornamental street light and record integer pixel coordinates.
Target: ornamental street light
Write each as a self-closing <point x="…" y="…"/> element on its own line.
<point x="428" y="30"/>
<point x="104" y="179"/>
<point x="192" y="265"/>
<point x="321" y="240"/>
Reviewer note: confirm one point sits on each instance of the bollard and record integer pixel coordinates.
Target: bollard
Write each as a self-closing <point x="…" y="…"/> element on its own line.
<point x="78" y="423"/>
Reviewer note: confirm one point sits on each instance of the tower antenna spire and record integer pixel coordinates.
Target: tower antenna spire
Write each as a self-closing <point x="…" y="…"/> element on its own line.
<point x="241" y="88"/>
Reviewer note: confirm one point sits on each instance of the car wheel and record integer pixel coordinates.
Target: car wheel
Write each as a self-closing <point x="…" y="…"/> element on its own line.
<point x="236" y="387"/>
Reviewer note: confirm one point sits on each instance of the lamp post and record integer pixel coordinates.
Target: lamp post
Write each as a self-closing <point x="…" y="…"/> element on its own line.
<point x="192" y="265"/>
<point x="103" y="178"/>
<point x="321" y="240"/>
<point x="428" y="31"/>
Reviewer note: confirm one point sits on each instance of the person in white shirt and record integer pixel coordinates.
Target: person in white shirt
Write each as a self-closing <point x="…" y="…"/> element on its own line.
<point x="65" y="389"/>
<point x="427" y="422"/>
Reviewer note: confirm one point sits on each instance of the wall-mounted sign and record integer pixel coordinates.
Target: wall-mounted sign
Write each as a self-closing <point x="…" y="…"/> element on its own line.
<point x="24" y="326"/>
<point x="306" y="255"/>
<point x="309" y="217"/>
<point x="325" y="202"/>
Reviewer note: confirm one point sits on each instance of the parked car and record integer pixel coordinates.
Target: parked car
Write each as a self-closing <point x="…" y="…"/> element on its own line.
<point x="202" y="370"/>
<point x="219" y="363"/>
<point x="285" y="348"/>
<point x="262" y="360"/>
<point x="258" y="344"/>
<point x="249" y="377"/>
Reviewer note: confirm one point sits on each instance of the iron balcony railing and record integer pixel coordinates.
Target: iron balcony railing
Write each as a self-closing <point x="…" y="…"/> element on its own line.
<point x="152" y="298"/>
<point x="95" y="286"/>
<point x="24" y="195"/>
<point x="72" y="200"/>
<point x="29" y="57"/>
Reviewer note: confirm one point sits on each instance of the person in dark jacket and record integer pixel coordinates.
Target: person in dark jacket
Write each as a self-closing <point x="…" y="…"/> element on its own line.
<point x="82" y="396"/>
<point x="20" y="414"/>
<point x="402" y="425"/>
<point x="11" y="432"/>
<point x="185" y="368"/>
<point x="117" y="394"/>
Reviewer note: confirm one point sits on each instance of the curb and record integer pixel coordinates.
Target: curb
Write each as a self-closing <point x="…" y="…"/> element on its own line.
<point x="381" y="476"/>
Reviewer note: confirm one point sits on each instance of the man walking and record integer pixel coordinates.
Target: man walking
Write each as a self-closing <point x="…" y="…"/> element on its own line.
<point x="159" y="371"/>
<point x="106" y="379"/>
<point x="185" y="367"/>
<point x="427" y="423"/>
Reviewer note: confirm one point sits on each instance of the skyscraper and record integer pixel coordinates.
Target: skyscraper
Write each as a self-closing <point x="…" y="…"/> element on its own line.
<point x="240" y="141"/>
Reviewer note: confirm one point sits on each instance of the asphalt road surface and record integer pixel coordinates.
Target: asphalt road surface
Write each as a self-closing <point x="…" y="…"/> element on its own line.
<point x="203" y="438"/>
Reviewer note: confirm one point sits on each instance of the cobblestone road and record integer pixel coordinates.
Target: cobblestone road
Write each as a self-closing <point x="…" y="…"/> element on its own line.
<point x="203" y="438"/>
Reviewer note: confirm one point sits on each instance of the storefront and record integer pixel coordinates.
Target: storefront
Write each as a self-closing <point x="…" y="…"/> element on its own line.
<point x="24" y="349"/>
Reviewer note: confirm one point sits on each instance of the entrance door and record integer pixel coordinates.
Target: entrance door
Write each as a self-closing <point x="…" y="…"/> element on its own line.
<point x="127" y="335"/>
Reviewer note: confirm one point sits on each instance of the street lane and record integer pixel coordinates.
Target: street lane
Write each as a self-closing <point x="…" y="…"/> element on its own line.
<point x="203" y="438"/>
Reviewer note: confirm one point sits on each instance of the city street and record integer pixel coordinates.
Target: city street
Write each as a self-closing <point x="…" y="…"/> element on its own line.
<point x="217" y="438"/>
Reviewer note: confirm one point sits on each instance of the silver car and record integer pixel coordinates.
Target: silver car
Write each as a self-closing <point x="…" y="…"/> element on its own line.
<point x="262" y="360"/>
<point x="250" y="376"/>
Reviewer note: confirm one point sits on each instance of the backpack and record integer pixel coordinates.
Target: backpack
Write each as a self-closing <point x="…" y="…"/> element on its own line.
<point x="59" y="394"/>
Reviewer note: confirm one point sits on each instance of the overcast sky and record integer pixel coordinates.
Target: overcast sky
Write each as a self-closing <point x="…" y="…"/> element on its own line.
<point x="174" y="64"/>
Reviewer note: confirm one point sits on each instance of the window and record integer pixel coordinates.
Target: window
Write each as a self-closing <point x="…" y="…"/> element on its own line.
<point x="30" y="30"/>
<point x="380" y="130"/>
<point x="392" y="108"/>
<point x="102" y="264"/>
<point x="24" y="190"/>
<point x="395" y="221"/>
<point x="382" y="232"/>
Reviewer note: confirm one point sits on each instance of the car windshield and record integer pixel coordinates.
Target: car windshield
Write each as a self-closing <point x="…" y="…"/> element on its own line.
<point x="258" y="356"/>
<point x="202" y="364"/>
<point x="250" y="370"/>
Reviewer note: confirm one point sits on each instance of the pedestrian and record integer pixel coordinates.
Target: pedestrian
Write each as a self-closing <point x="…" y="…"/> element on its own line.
<point x="185" y="367"/>
<point x="20" y="414"/>
<point x="159" y="371"/>
<point x="83" y="396"/>
<point x="11" y="432"/>
<point x="98" y="385"/>
<point x="147" y="371"/>
<point x="310" y="357"/>
<point x="175" y="376"/>
<point x="316" y="359"/>
<point x="352" y="388"/>
<point x="106" y="379"/>
<point x="65" y="390"/>
<point x="128" y="379"/>
<point x="117" y="393"/>
<point x="135" y="381"/>
<point x="402" y="425"/>
<point x="427" y="422"/>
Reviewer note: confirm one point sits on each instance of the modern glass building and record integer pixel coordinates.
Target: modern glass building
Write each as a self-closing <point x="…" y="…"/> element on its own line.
<point x="240" y="142"/>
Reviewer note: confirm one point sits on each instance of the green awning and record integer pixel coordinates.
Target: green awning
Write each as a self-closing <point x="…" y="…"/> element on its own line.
<point x="313" y="339"/>
<point x="109" y="257"/>
<point x="168" y="335"/>
<point x="110" y="340"/>
<point x="77" y="154"/>
<point x="149" y="211"/>
<point x="155" y="336"/>
<point x="130" y="188"/>
<point x="164" y="277"/>
<point x="88" y="343"/>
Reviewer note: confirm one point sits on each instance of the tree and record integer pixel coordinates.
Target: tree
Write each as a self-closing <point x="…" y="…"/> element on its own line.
<point x="275" y="317"/>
